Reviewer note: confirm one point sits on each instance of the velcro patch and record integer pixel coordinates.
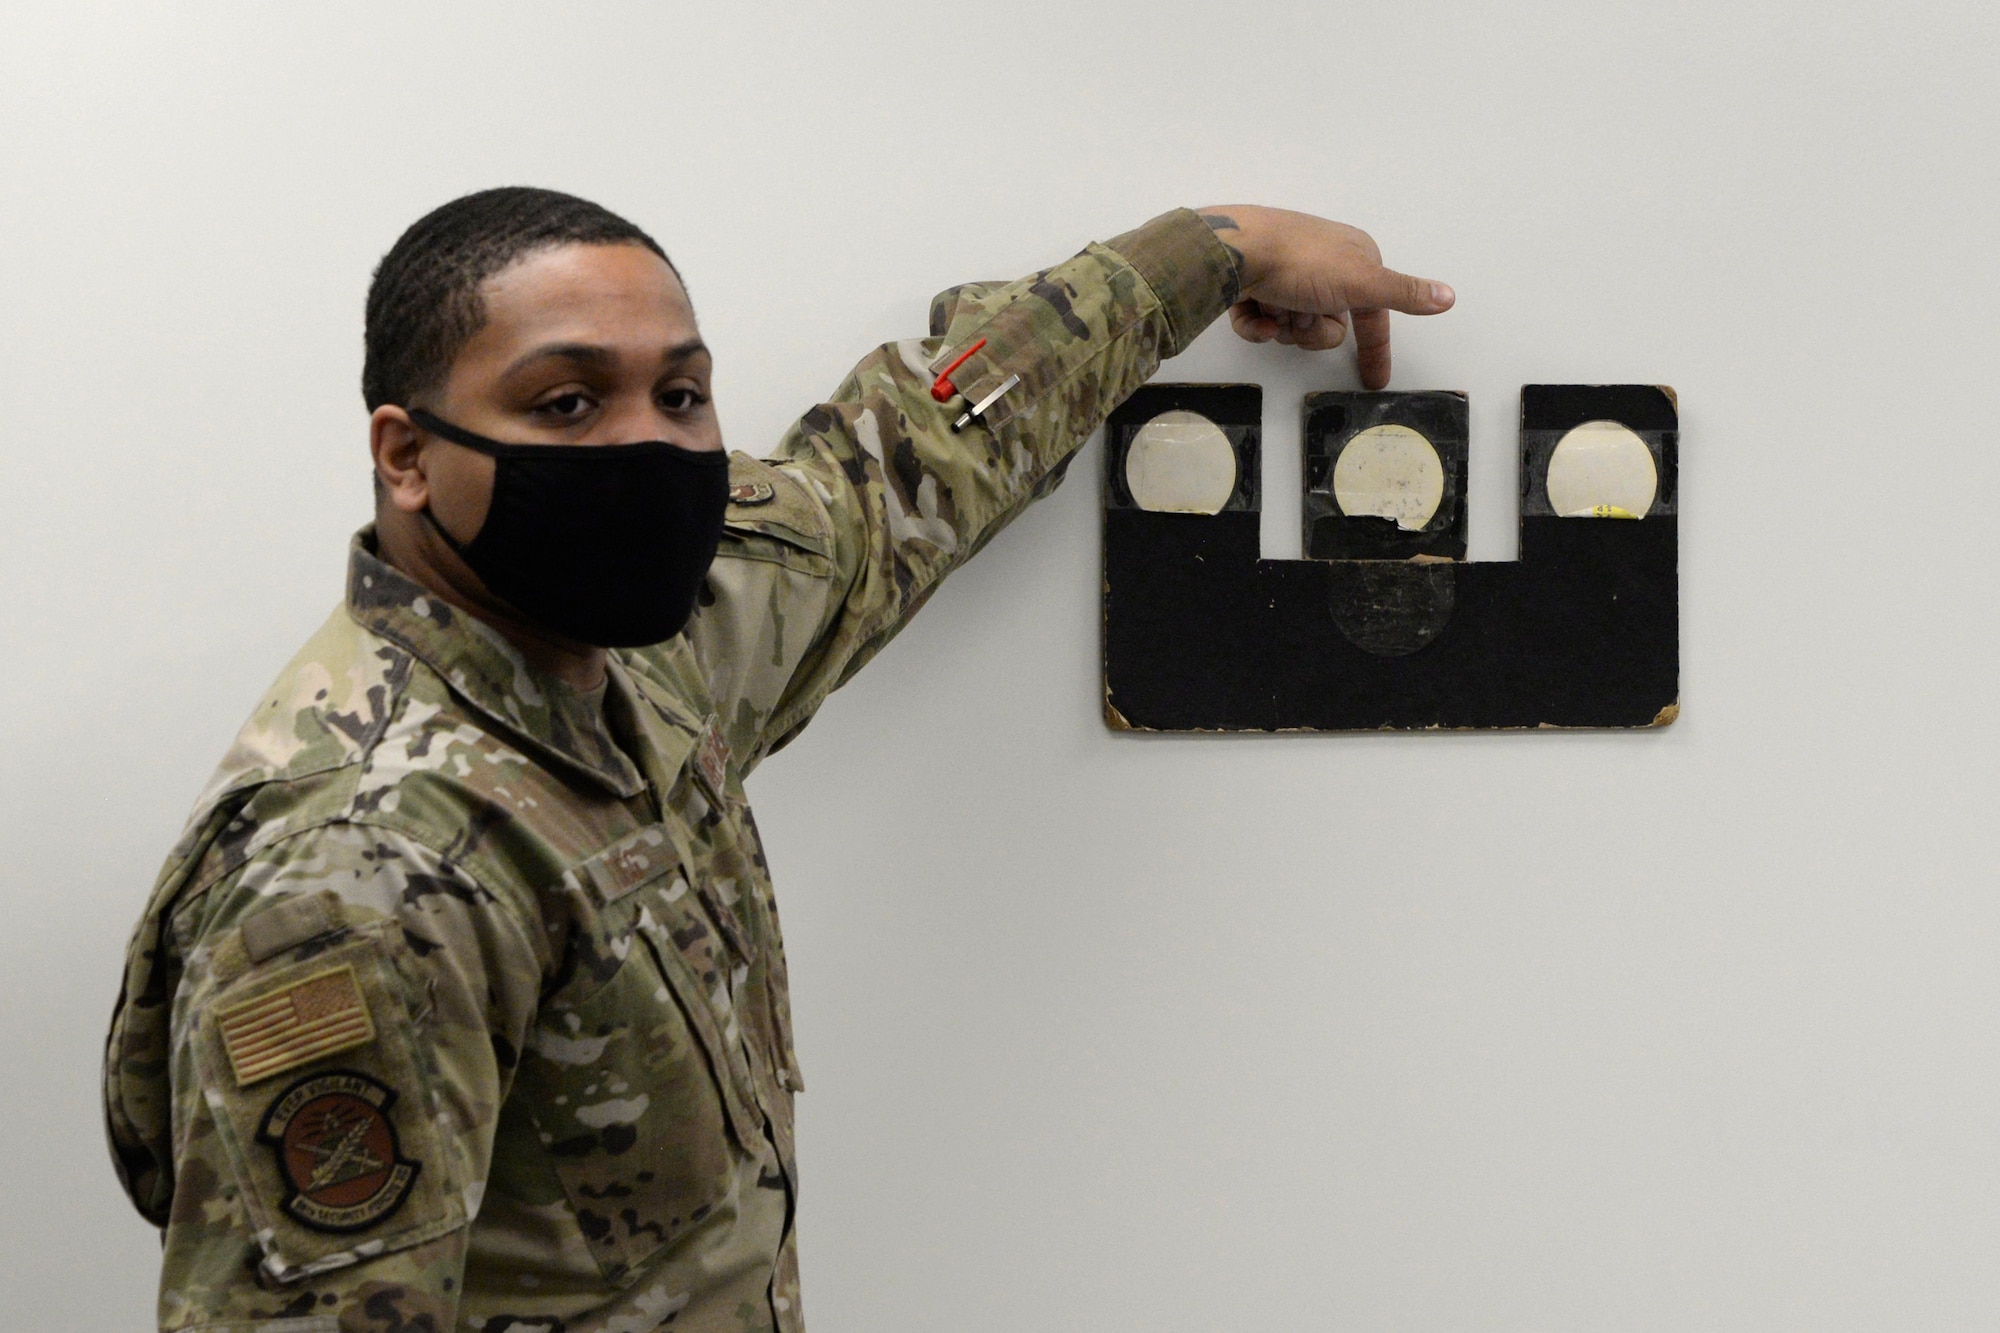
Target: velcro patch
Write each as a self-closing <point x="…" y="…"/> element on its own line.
<point x="316" y="1016"/>
<point x="288" y="924"/>
<point x="628" y="863"/>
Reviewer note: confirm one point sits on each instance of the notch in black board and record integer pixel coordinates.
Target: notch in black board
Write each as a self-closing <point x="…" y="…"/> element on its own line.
<point x="1385" y="625"/>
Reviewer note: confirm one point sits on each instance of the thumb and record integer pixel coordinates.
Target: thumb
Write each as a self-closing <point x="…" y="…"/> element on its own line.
<point x="1386" y="289"/>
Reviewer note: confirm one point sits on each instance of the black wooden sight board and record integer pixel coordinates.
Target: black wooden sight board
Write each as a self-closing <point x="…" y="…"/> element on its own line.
<point x="1385" y="624"/>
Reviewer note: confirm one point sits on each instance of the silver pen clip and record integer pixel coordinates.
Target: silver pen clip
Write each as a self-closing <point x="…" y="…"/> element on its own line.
<point x="979" y="408"/>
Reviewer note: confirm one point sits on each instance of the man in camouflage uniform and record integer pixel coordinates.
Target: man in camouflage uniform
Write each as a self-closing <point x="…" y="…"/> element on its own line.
<point x="461" y="1002"/>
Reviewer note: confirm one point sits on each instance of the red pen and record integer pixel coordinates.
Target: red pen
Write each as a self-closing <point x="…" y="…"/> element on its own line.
<point x="943" y="389"/>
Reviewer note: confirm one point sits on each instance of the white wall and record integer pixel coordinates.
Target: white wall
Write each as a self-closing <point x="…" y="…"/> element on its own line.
<point x="1690" y="1030"/>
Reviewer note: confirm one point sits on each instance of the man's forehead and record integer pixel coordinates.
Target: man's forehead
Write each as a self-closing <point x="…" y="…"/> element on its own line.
<point x="620" y="282"/>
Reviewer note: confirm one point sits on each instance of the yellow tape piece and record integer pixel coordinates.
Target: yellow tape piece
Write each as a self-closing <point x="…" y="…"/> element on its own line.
<point x="1601" y="511"/>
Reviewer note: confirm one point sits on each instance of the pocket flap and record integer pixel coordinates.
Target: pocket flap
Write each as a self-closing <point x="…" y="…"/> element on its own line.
<point x="772" y="517"/>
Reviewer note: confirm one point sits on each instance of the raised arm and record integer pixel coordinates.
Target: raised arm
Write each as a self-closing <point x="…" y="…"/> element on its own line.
<point x="873" y="496"/>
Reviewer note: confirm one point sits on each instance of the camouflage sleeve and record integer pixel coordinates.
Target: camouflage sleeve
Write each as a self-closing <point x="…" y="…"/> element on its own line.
<point x="836" y="540"/>
<point x="344" y="1030"/>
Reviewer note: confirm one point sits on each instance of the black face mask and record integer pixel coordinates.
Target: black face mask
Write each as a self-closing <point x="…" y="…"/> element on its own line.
<point x="606" y="544"/>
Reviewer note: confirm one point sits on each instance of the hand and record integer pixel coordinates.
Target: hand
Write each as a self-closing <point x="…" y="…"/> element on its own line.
<point x="1304" y="278"/>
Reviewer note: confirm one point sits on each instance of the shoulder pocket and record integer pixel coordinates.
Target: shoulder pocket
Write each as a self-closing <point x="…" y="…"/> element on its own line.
<point x="325" y="1108"/>
<point x="772" y="517"/>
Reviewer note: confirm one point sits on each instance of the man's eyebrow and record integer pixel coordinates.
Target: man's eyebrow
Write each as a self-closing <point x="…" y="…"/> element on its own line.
<point x="596" y="355"/>
<point x="686" y="351"/>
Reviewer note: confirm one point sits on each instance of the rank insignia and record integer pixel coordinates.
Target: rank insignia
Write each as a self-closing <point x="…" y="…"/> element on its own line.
<point x="337" y="1151"/>
<point x="319" y="1015"/>
<point x="711" y="759"/>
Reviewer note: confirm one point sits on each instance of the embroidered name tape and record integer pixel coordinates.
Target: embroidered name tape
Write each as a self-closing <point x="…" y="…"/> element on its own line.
<point x="315" y="1016"/>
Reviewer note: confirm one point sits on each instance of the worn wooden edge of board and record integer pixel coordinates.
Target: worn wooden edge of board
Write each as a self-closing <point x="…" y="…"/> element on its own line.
<point x="1118" y="722"/>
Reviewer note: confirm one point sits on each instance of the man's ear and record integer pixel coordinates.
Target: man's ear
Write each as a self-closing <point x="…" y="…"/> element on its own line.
<point x="397" y="449"/>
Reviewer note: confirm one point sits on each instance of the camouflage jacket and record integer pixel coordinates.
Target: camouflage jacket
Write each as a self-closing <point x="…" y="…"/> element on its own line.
<point x="461" y="1002"/>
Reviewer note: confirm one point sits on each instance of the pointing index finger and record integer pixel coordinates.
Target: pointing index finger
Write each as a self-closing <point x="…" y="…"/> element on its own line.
<point x="1376" y="294"/>
<point x="1371" y="347"/>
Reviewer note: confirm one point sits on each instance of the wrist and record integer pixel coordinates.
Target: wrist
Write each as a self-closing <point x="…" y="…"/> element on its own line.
<point x="1243" y="229"/>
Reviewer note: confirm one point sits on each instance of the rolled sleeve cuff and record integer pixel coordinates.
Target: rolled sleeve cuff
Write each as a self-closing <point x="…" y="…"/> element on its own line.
<point x="1193" y="273"/>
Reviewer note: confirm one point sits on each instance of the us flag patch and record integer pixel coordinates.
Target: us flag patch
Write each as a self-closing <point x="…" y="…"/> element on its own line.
<point x="315" y="1016"/>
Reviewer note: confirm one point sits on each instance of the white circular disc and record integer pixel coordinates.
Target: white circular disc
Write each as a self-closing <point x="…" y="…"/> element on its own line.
<point x="1602" y="463"/>
<point x="1181" y="463"/>
<point x="1390" y="472"/>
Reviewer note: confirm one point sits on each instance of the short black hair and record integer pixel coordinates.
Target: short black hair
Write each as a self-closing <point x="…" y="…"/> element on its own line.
<point x="424" y="304"/>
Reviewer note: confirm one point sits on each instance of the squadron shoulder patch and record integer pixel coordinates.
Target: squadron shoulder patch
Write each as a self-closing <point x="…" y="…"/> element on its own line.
<point x="316" y="1016"/>
<point x="748" y="493"/>
<point x="337" y="1151"/>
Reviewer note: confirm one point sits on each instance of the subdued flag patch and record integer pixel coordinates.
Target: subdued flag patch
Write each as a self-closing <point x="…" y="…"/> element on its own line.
<point x="315" y="1016"/>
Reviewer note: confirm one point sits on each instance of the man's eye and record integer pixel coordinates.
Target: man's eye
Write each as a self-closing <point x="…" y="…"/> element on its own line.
<point x="566" y="405"/>
<point x="681" y="400"/>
